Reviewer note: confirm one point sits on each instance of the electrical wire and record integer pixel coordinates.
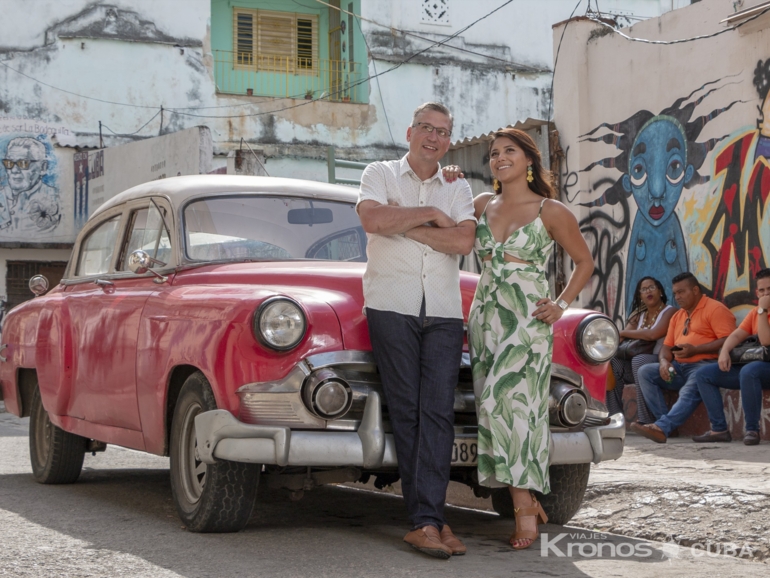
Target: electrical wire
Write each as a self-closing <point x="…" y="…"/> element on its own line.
<point x="74" y="93"/>
<point x="379" y="89"/>
<point x="681" y="40"/>
<point x="136" y="131"/>
<point x="556" y="59"/>
<point x="407" y="33"/>
<point x="344" y="89"/>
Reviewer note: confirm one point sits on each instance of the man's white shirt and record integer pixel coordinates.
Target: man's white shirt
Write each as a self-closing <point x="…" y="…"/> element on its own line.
<point x="399" y="270"/>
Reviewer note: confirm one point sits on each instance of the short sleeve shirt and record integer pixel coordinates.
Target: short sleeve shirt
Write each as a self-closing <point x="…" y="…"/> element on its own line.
<point x="709" y="321"/>
<point x="750" y="323"/>
<point x="400" y="271"/>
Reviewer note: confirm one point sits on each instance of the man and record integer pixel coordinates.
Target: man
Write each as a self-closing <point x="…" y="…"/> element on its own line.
<point x="695" y="334"/>
<point x="417" y="225"/>
<point x="748" y="378"/>
<point x="27" y="204"/>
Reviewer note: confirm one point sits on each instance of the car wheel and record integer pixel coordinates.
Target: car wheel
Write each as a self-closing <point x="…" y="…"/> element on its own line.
<point x="568" y="485"/>
<point x="56" y="455"/>
<point x="208" y="498"/>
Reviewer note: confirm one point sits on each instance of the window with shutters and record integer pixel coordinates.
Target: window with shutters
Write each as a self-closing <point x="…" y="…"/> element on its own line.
<point x="275" y="41"/>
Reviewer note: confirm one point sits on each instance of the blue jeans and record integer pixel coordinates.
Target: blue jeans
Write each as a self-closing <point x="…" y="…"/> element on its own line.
<point x="749" y="378"/>
<point x="684" y="381"/>
<point x="419" y="363"/>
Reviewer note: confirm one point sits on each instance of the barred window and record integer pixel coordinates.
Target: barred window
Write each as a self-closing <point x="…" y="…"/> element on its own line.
<point x="275" y="41"/>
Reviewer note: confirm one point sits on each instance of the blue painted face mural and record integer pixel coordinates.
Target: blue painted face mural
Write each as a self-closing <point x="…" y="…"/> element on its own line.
<point x="658" y="157"/>
<point x="658" y="169"/>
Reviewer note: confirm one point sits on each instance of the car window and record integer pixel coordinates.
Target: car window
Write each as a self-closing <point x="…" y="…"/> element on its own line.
<point x="97" y="249"/>
<point x="148" y="233"/>
<point x="259" y="227"/>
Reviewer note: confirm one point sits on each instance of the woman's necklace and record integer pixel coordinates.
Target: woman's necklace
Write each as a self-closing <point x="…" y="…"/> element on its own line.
<point x="650" y="322"/>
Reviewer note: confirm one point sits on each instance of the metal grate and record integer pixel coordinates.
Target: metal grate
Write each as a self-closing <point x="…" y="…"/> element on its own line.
<point x="19" y="273"/>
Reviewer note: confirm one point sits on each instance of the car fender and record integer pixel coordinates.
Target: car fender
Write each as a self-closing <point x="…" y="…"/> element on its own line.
<point x="213" y="333"/>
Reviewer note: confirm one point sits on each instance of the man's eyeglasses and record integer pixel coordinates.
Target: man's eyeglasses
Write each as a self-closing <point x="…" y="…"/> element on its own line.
<point x="429" y="128"/>
<point x="686" y="326"/>
<point x="21" y="163"/>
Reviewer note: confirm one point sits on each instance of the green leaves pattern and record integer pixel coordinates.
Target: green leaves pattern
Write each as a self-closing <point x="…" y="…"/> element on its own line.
<point x="511" y="360"/>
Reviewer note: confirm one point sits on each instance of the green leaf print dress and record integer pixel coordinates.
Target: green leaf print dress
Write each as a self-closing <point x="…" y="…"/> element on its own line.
<point x="511" y="358"/>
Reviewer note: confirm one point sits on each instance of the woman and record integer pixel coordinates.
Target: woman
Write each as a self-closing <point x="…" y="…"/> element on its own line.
<point x="650" y="316"/>
<point x="510" y="322"/>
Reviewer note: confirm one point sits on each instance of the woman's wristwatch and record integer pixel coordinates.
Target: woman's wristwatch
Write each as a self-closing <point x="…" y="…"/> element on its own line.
<point x="562" y="304"/>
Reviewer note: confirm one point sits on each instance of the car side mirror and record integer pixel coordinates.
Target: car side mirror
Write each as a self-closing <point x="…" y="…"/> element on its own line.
<point x="140" y="263"/>
<point x="38" y="284"/>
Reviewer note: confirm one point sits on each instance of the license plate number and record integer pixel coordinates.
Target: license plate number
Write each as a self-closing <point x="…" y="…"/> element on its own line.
<point x="464" y="452"/>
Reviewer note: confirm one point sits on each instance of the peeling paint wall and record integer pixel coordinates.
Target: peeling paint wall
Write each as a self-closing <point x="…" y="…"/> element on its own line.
<point x="668" y="153"/>
<point x="132" y="57"/>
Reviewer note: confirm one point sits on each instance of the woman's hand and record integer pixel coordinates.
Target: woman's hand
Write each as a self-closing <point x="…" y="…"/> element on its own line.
<point x="452" y="173"/>
<point x="547" y="311"/>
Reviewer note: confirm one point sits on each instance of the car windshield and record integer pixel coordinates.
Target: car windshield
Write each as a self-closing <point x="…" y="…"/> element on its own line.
<point x="257" y="227"/>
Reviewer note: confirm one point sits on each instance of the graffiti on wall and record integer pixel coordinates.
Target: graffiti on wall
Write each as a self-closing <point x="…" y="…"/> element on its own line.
<point x="698" y="203"/>
<point x="30" y="204"/>
<point x="734" y="237"/>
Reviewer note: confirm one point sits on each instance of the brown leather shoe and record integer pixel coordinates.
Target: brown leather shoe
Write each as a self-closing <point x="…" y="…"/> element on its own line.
<point x="650" y="431"/>
<point x="428" y="541"/>
<point x="452" y="542"/>
<point x="751" y="438"/>
<point x="710" y="436"/>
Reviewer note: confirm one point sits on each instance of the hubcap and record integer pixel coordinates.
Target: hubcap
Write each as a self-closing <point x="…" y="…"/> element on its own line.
<point x="193" y="471"/>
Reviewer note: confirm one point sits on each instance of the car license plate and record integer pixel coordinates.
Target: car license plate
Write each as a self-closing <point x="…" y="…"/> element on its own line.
<point x="464" y="452"/>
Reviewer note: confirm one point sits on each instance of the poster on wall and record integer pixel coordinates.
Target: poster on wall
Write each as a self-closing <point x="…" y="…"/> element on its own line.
<point x="33" y="208"/>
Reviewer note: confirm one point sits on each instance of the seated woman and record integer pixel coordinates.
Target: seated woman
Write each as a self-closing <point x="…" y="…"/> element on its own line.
<point x="650" y="316"/>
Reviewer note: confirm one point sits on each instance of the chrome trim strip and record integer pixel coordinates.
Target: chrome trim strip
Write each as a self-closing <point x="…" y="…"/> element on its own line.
<point x="567" y="374"/>
<point x="346" y="357"/>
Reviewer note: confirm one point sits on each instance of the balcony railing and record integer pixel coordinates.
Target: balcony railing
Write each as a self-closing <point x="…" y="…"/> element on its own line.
<point x="289" y="77"/>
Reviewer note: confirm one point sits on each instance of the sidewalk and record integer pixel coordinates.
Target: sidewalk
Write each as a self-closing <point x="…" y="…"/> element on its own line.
<point x="708" y="495"/>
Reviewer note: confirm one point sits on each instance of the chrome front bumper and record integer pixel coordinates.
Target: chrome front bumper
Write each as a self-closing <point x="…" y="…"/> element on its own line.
<point x="221" y="436"/>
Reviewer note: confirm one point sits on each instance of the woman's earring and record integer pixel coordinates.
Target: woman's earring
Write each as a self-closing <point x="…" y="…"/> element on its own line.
<point x="530" y="176"/>
<point x="496" y="185"/>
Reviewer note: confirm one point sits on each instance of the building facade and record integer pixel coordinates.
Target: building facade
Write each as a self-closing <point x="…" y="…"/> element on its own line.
<point x="667" y="149"/>
<point x="288" y="77"/>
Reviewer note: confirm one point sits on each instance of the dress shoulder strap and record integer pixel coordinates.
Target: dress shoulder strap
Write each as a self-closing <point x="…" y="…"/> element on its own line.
<point x="489" y="201"/>
<point x="541" y="207"/>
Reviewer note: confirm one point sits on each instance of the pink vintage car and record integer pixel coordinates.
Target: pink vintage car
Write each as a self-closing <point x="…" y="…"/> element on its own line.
<point x="218" y="320"/>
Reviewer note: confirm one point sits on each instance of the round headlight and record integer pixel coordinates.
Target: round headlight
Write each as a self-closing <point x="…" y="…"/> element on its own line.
<point x="597" y="338"/>
<point x="331" y="399"/>
<point x="574" y="409"/>
<point x="280" y="324"/>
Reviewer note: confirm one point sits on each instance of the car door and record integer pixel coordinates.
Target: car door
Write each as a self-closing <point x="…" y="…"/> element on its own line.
<point x="105" y="306"/>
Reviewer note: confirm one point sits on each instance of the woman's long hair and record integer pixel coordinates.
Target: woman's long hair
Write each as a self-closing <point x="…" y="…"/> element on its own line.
<point x="636" y="304"/>
<point x="542" y="183"/>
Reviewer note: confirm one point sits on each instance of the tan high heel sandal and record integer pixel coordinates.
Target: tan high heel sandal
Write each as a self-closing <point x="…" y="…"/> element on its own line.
<point x="535" y="510"/>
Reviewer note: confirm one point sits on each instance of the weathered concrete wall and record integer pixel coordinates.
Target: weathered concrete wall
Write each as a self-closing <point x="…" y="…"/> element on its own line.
<point x="667" y="152"/>
<point x="131" y="57"/>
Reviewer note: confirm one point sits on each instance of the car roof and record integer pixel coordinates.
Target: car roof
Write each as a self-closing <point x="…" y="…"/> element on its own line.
<point x="179" y="189"/>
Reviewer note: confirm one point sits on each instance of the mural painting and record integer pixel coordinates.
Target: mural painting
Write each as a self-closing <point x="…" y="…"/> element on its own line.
<point x="698" y="203"/>
<point x="733" y="239"/>
<point x="30" y="206"/>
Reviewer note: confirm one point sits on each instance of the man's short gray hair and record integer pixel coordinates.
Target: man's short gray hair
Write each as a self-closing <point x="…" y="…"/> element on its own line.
<point x="34" y="146"/>
<point x="437" y="106"/>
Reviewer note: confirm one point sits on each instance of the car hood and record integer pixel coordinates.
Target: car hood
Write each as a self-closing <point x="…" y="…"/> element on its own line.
<point x="337" y="283"/>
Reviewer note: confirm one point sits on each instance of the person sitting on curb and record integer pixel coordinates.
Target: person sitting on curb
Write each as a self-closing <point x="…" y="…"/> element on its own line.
<point x="695" y="334"/>
<point x="749" y="378"/>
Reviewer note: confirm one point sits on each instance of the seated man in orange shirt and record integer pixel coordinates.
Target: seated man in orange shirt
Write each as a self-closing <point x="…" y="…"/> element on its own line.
<point x="749" y="378"/>
<point x="695" y="334"/>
